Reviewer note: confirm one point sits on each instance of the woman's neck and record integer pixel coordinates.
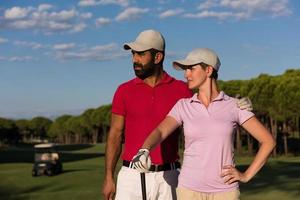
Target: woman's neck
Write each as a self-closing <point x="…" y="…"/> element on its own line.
<point x="208" y="92"/>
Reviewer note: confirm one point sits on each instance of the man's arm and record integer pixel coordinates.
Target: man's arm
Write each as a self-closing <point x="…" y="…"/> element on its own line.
<point x="112" y="154"/>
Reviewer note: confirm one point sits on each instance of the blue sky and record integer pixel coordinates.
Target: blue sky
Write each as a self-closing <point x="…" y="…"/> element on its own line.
<point x="67" y="56"/>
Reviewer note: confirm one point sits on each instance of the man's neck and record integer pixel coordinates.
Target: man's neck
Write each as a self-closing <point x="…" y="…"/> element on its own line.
<point x="152" y="81"/>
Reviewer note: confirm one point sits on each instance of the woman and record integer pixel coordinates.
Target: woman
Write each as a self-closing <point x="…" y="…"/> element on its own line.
<point x="208" y="120"/>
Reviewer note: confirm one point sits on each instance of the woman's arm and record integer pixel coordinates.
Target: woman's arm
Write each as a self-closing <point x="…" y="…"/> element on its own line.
<point x="164" y="129"/>
<point x="267" y="143"/>
<point x="141" y="161"/>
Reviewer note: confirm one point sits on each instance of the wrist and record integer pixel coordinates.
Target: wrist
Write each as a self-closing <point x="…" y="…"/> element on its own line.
<point x="246" y="177"/>
<point x="144" y="149"/>
<point x="109" y="175"/>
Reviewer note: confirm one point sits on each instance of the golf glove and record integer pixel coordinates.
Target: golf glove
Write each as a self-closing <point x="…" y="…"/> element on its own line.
<point x="141" y="161"/>
<point x="245" y="104"/>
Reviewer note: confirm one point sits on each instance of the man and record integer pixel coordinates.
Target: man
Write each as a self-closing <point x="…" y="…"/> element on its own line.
<point x="138" y="106"/>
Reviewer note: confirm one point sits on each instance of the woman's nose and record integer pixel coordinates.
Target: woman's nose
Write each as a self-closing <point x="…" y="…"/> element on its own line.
<point x="186" y="73"/>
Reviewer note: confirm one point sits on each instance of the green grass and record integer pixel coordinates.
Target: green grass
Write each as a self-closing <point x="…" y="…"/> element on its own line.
<point x="83" y="175"/>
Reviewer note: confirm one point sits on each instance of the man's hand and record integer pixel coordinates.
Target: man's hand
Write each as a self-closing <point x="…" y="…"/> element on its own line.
<point x="141" y="161"/>
<point x="109" y="189"/>
<point x="245" y="104"/>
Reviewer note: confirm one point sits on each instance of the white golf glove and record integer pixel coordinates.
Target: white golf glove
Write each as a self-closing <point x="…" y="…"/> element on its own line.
<point x="244" y="104"/>
<point x="141" y="161"/>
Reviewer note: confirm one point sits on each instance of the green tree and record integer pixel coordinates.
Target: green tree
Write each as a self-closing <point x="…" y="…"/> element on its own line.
<point x="76" y="128"/>
<point x="58" y="130"/>
<point x="105" y="115"/>
<point x="287" y="96"/>
<point x="91" y="123"/>
<point x="40" y="126"/>
<point x="24" y="129"/>
<point x="8" y="132"/>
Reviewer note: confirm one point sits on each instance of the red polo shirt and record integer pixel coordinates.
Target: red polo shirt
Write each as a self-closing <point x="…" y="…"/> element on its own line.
<point x="143" y="108"/>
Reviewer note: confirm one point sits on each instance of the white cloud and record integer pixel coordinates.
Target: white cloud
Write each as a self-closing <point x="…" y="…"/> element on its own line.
<point x="207" y="4"/>
<point x="3" y="40"/>
<point x="102" y="21"/>
<point x="44" y="19"/>
<point x="17" y="58"/>
<point x="44" y="7"/>
<point x="219" y="15"/>
<point x="171" y="12"/>
<point x="57" y="26"/>
<point x="86" y="15"/>
<point x="163" y="1"/>
<point x="122" y="3"/>
<point x="20" y="58"/>
<point x="63" y="15"/>
<point x="78" y="28"/>
<point x="131" y="13"/>
<point x="33" y="45"/>
<point x="22" y="24"/>
<point x="99" y="52"/>
<point x="248" y="8"/>
<point x="275" y="7"/>
<point x="16" y="13"/>
<point x="62" y="47"/>
<point x="87" y="3"/>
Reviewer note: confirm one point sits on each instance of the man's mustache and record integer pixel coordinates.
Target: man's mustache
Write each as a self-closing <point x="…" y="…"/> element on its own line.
<point x="137" y="65"/>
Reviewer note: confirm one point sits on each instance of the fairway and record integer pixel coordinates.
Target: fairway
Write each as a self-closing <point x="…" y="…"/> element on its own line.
<point x="83" y="174"/>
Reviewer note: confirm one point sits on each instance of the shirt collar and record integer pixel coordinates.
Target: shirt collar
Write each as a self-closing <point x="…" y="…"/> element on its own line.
<point x="165" y="79"/>
<point x="221" y="96"/>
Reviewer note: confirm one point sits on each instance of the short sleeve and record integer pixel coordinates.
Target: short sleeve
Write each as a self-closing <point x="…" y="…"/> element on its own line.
<point x="118" y="105"/>
<point x="175" y="112"/>
<point x="243" y="115"/>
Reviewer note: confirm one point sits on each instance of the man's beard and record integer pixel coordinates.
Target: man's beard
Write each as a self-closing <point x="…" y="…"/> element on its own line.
<point x="145" y="71"/>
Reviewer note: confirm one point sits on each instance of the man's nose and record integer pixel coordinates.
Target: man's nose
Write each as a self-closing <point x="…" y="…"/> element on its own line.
<point x="134" y="57"/>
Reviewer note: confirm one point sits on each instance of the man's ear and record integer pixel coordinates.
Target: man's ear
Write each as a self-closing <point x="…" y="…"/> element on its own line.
<point x="158" y="57"/>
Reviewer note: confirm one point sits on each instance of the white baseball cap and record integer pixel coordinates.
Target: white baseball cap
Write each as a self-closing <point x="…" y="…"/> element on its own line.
<point x="148" y="39"/>
<point x="197" y="56"/>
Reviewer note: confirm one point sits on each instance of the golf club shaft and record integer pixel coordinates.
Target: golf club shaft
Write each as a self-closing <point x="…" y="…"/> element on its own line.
<point x="143" y="183"/>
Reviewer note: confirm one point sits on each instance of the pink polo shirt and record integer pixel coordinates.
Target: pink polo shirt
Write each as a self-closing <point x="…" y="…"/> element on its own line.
<point x="208" y="141"/>
<point x="144" y="107"/>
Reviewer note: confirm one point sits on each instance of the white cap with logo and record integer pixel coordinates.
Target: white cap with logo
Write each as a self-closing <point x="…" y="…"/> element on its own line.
<point x="197" y="56"/>
<point x="146" y="40"/>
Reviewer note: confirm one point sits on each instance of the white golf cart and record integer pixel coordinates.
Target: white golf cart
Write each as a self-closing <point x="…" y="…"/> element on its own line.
<point x="46" y="160"/>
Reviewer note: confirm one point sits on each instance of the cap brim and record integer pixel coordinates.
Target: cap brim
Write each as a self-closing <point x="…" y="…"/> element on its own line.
<point x="182" y="64"/>
<point x="136" y="46"/>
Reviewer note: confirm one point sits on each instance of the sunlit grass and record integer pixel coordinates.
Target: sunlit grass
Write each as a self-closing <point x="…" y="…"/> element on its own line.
<point x="84" y="170"/>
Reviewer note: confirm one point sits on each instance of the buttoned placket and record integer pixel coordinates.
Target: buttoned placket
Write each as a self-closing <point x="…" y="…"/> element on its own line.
<point x="152" y="100"/>
<point x="208" y="110"/>
<point x="204" y="109"/>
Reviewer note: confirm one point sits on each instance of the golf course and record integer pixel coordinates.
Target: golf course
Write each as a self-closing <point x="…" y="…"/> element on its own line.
<point x="83" y="171"/>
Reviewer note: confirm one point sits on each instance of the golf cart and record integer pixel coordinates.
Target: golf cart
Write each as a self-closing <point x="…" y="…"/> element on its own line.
<point x="46" y="160"/>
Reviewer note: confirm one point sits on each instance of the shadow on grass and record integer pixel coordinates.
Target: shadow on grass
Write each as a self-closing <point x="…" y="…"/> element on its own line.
<point x="279" y="176"/>
<point x="70" y="157"/>
<point x="11" y="193"/>
<point x="73" y="147"/>
<point x="74" y="170"/>
<point x="25" y="154"/>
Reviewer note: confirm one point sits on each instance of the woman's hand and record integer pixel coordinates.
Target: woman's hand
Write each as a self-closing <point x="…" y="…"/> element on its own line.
<point x="230" y="175"/>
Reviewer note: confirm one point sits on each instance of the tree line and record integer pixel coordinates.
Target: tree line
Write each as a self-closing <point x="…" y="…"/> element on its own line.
<point x="276" y="102"/>
<point x="89" y="127"/>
